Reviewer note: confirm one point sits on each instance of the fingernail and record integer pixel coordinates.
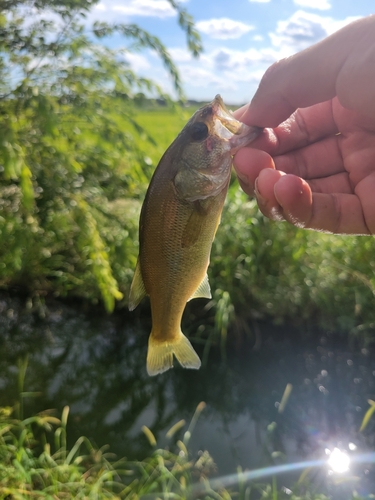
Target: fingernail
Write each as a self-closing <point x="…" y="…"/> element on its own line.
<point x="275" y="213"/>
<point x="257" y="192"/>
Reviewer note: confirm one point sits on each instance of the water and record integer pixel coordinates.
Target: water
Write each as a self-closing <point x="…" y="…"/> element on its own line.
<point x="95" y="364"/>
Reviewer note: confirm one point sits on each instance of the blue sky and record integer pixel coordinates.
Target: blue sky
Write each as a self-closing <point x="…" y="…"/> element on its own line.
<point x="241" y="38"/>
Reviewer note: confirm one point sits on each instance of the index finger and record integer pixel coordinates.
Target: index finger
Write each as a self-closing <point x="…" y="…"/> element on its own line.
<point x="305" y="126"/>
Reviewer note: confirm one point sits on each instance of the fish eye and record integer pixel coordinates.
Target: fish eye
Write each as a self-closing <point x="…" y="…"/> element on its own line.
<point x="199" y="131"/>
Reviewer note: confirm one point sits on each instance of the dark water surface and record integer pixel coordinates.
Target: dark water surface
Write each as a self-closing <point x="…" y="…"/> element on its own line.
<point x="95" y="364"/>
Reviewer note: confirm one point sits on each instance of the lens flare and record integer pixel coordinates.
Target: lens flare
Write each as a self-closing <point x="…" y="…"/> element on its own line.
<point x="339" y="461"/>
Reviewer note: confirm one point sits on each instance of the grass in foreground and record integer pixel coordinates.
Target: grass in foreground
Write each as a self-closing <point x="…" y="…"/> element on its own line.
<point x="36" y="463"/>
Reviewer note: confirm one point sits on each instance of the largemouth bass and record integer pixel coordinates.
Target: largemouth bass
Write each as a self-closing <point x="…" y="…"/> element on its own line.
<point x="178" y="221"/>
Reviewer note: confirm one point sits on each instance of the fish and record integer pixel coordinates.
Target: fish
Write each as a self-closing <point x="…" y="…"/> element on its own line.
<point x="178" y="221"/>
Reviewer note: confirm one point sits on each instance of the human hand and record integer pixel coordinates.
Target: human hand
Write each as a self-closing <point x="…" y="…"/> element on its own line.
<point x="315" y="167"/>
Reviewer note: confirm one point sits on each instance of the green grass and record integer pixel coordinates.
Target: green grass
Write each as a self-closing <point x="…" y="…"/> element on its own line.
<point x="35" y="463"/>
<point x="162" y="126"/>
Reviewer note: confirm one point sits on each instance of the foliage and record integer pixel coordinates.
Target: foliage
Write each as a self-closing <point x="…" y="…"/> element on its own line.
<point x="36" y="463"/>
<point x="30" y="469"/>
<point x="369" y="413"/>
<point x="262" y="268"/>
<point x="71" y="171"/>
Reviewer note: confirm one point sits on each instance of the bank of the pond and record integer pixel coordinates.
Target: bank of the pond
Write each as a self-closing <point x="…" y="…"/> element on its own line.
<point x="95" y="364"/>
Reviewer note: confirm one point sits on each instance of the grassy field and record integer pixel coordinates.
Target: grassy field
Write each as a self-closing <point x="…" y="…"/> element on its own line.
<point x="162" y="125"/>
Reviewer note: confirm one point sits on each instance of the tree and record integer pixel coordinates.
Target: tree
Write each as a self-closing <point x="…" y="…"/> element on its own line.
<point x="70" y="168"/>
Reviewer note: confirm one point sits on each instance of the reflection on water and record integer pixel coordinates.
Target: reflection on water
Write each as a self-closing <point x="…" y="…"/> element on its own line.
<point x="96" y="365"/>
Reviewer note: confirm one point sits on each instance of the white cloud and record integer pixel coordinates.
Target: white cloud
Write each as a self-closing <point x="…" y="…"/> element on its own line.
<point x="336" y="24"/>
<point x="180" y="54"/>
<point x="234" y="74"/>
<point x="299" y="31"/>
<point x="222" y="71"/>
<point x="223" y="28"/>
<point x="314" y="4"/>
<point x="303" y="29"/>
<point x="151" y="8"/>
<point x="226" y="59"/>
<point x="100" y="7"/>
<point x="204" y="78"/>
<point x="138" y="62"/>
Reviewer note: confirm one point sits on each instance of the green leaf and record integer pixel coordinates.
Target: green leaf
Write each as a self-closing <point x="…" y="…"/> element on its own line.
<point x="93" y="244"/>
<point x="368" y="415"/>
<point x="27" y="187"/>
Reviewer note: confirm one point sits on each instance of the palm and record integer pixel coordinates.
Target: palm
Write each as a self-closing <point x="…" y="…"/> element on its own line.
<point x="356" y="146"/>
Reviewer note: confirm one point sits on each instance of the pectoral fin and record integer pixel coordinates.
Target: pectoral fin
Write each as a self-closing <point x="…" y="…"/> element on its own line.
<point x="193" y="227"/>
<point x="203" y="290"/>
<point x="137" y="289"/>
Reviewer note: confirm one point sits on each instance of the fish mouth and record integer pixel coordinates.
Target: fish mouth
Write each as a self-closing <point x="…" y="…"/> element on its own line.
<point x="225" y="116"/>
<point x="245" y="136"/>
<point x="238" y="134"/>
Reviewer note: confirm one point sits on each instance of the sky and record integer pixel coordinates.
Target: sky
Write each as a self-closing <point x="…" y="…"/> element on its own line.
<point x="241" y="38"/>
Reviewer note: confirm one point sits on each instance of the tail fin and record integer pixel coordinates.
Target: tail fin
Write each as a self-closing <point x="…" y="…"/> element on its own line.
<point x="160" y="354"/>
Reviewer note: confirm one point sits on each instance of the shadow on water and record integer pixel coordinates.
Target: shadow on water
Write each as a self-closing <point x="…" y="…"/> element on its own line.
<point x="96" y="365"/>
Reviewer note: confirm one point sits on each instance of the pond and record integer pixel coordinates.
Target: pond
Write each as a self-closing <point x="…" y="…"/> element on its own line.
<point x="95" y="364"/>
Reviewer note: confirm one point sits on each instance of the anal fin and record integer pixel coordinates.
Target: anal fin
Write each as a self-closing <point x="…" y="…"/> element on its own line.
<point x="137" y="289"/>
<point x="203" y="290"/>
